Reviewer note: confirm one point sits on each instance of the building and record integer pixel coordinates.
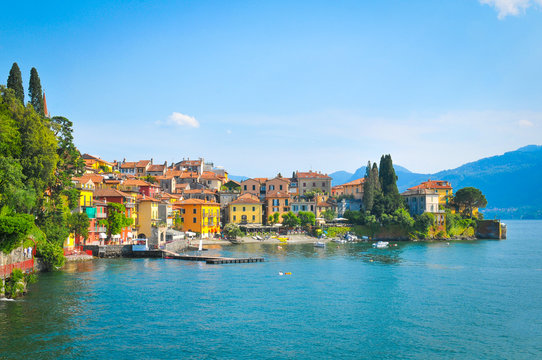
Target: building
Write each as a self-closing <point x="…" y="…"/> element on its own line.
<point x="191" y="165"/>
<point x="97" y="164"/>
<point x="277" y="201"/>
<point x="116" y="196"/>
<point x="157" y="170"/>
<point x="443" y="188"/>
<point x="421" y="200"/>
<point x="337" y="190"/>
<point x="147" y="216"/>
<point x="200" y="216"/>
<point x="313" y="181"/>
<point x="254" y="186"/>
<point x="277" y="183"/>
<point x="354" y="188"/>
<point x="211" y="180"/>
<point x="246" y="209"/>
<point x="142" y="167"/>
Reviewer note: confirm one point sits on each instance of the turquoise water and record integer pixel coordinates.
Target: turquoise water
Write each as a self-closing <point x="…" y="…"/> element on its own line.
<point x="465" y="300"/>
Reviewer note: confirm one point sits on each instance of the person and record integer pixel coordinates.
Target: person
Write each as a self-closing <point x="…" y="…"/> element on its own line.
<point x="29" y="252"/>
<point x="24" y="252"/>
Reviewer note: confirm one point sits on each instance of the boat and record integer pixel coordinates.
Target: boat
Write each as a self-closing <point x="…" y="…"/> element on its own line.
<point x="319" y="244"/>
<point x="381" y="244"/>
<point x="339" y="241"/>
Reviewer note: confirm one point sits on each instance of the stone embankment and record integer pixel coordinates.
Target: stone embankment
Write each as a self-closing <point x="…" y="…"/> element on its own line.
<point x="116" y="251"/>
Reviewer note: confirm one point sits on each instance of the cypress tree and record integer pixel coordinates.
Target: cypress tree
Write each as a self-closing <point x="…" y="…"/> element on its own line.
<point x="35" y="92"/>
<point x="15" y="82"/>
<point x="376" y="180"/>
<point x="388" y="179"/>
<point x="368" y="189"/>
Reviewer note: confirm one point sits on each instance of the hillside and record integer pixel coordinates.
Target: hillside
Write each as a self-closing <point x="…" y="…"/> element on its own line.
<point x="511" y="182"/>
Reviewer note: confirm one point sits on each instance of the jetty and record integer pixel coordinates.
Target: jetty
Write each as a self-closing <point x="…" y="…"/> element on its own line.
<point x="210" y="259"/>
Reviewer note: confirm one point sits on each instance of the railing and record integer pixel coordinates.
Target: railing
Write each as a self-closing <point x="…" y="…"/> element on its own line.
<point x="101" y="215"/>
<point x="129" y="205"/>
<point x="6" y="270"/>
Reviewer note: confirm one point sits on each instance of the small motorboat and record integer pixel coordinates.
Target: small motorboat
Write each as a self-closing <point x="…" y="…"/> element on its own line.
<point x="339" y="241"/>
<point x="381" y="244"/>
<point x="320" y="244"/>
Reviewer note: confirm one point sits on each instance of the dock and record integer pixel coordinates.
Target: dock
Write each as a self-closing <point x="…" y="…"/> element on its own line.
<point x="211" y="259"/>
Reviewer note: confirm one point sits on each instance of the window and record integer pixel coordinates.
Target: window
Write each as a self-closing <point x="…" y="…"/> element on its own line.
<point x="245" y="187"/>
<point x="234" y="217"/>
<point x="275" y="202"/>
<point x="194" y="210"/>
<point x="234" y="208"/>
<point x="295" y="207"/>
<point x="304" y="184"/>
<point x="254" y="208"/>
<point x="194" y="220"/>
<point x="286" y="202"/>
<point x="313" y="184"/>
<point x="275" y="209"/>
<point x="323" y="184"/>
<point x="253" y="187"/>
<point x="280" y="187"/>
<point x="183" y="211"/>
<point x="253" y="217"/>
<point x="244" y="209"/>
<point x="271" y="187"/>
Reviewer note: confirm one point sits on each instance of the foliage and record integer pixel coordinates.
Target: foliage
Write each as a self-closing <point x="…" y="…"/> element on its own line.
<point x="116" y="219"/>
<point x="273" y="219"/>
<point x="178" y="223"/>
<point x="151" y="179"/>
<point x="389" y="199"/>
<point x="423" y="224"/>
<point x="13" y="229"/>
<point x="52" y="254"/>
<point x="70" y="163"/>
<point x="346" y="197"/>
<point x="290" y="220"/>
<point x="15" y="284"/>
<point x="335" y="231"/>
<point x="13" y="191"/>
<point x="15" y="82"/>
<point x="35" y="92"/>
<point x="310" y="195"/>
<point x="72" y="197"/>
<point x="329" y="215"/>
<point x="78" y="224"/>
<point x="468" y="199"/>
<point x="232" y="231"/>
<point x="306" y="218"/>
<point x="371" y="186"/>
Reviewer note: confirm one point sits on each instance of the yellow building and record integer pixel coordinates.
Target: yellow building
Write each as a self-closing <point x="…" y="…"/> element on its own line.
<point x="200" y="216"/>
<point x="443" y="188"/>
<point x="147" y="216"/>
<point x="96" y="163"/>
<point x="247" y="209"/>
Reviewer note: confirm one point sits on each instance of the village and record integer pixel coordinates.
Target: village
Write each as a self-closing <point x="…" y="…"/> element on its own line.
<point x="195" y="199"/>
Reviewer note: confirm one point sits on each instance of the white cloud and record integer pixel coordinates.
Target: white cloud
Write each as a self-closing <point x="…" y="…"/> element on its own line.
<point x="510" y="7"/>
<point x="182" y="120"/>
<point x="525" y="123"/>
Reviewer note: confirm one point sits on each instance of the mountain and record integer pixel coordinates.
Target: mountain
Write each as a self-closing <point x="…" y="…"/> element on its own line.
<point x="237" y="178"/>
<point x="510" y="182"/>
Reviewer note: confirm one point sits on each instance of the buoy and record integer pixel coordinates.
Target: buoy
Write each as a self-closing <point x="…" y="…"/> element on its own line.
<point x="288" y="273"/>
<point x="281" y="273"/>
<point x="279" y="247"/>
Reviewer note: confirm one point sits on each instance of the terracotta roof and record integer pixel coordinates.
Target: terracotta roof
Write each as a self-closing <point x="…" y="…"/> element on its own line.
<point x="97" y="179"/>
<point x="277" y="194"/>
<point x="157" y="167"/>
<point x="433" y="184"/>
<point x="142" y="198"/>
<point x="93" y="159"/>
<point x="312" y="175"/>
<point x="189" y="175"/>
<point x="233" y="181"/>
<point x="324" y="204"/>
<point x="128" y="165"/>
<point x="286" y="180"/>
<point x="181" y="186"/>
<point x="191" y="162"/>
<point x="200" y="191"/>
<point x="109" y="193"/>
<point x="337" y="187"/>
<point x="135" y="182"/>
<point x="246" y="198"/>
<point x="209" y="175"/>
<point x="197" y="202"/>
<point x="111" y="181"/>
<point x="143" y="163"/>
<point x="173" y="173"/>
<point x="355" y="182"/>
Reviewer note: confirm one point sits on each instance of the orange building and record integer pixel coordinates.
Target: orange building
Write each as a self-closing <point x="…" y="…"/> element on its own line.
<point x="199" y="216"/>
<point x="354" y="188"/>
<point x="277" y="201"/>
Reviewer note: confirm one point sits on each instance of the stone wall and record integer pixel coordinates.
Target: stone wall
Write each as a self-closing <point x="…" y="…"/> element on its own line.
<point x="109" y="250"/>
<point x="13" y="257"/>
<point x="177" y="245"/>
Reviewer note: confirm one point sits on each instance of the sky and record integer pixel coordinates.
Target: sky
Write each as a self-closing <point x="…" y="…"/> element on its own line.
<point x="261" y="87"/>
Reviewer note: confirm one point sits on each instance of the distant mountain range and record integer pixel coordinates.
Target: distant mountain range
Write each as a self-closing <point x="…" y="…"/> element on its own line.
<point x="511" y="182"/>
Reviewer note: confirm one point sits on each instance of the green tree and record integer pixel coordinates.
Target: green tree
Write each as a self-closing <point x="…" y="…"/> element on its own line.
<point x="423" y="224"/>
<point x="329" y="215"/>
<point x="116" y="219"/>
<point x="52" y="254"/>
<point x="389" y="199"/>
<point x="78" y="224"/>
<point x="13" y="229"/>
<point x="232" y="231"/>
<point x="13" y="192"/>
<point x="468" y="199"/>
<point x="10" y="138"/>
<point x="15" y="82"/>
<point x="306" y="218"/>
<point x="273" y="218"/>
<point x="35" y="92"/>
<point x="70" y="163"/>
<point x="290" y="220"/>
<point x="371" y="186"/>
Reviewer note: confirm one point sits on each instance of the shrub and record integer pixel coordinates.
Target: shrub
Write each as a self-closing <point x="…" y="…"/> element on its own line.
<point x="15" y="284"/>
<point x="52" y="255"/>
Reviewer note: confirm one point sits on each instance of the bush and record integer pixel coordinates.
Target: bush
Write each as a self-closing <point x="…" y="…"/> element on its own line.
<point x="232" y="231"/>
<point x="15" y="284"/>
<point x="52" y="255"/>
<point x="337" y="231"/>
<point x="423" y="223"/>
<point x="13" y="230"/>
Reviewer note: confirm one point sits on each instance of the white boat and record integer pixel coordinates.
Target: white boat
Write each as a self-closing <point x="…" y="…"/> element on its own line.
<point x="320" y="244"/>
<point x="381" y="244"/>
<point x="339" y="241"/>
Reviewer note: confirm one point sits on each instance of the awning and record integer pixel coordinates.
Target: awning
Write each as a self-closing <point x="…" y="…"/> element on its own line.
<point x="102" y="236"/>
<point x="130" y="235"/>
<point x="116" y="236"/>
<point x="189" y="233"/>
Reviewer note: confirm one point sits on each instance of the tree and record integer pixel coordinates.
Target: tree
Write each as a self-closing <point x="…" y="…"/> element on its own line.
<point x="329" y="215"/>
<point x="116" y="219"/>
<point x="389" y="199"/>
<point x="78" y="224"/>
<point x="70" y="163"/>
<point x="15" y="82"/>
<point x="274" y="218"/>
<point x="371" y="186"/>
<point x="468" y="199"/>
<point x="306" y="218"/>
<point x="35" y="92"/>
<point x="13" y="192"/>
<point x="232" y="231"/>
<point x="290" y="220"/>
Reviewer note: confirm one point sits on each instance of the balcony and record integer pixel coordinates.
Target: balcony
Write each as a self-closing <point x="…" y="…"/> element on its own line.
<point x="129" y="205"/>
<point x="101" y="215"/>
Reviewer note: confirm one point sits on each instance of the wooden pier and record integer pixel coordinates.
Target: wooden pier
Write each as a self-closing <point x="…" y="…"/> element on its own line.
<point x="211" y="259"/>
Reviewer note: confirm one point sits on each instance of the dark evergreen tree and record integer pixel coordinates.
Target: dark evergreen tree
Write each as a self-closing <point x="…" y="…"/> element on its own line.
<point x="388" y="179"/>
<point x="35" y="92"/>
<point x="15" y="82"/>
<point x="368" y="189"/>
<point x="376" y="179"/>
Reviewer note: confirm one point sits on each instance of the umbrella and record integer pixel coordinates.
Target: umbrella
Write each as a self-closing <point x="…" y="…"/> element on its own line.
<point x="102" y="236"/>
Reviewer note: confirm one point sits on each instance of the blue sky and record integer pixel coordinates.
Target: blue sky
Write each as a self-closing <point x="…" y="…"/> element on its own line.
<point x="262" y="87"/>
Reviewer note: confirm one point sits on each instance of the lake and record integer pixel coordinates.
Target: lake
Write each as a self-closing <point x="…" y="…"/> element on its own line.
<point x="469" y="300"/>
